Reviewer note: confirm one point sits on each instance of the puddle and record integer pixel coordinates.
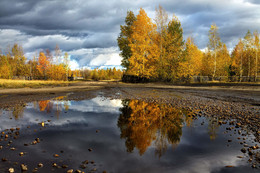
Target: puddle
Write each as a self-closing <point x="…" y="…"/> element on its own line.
<point x="118" y="136"/>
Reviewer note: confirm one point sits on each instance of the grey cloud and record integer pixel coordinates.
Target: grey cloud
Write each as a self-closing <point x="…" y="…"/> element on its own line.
<point x="90" y="25"/>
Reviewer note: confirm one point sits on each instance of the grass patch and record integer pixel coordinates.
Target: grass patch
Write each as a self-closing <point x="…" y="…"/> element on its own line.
<point x="9" y="83"/>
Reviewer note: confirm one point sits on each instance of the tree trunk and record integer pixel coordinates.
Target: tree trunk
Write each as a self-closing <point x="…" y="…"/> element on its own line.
<point x="256" y="65"/>
<point x="241" y="72"/>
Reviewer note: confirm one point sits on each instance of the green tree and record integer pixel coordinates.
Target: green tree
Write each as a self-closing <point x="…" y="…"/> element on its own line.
<point x="123" y="39"/>
<point x="174" y="45"/>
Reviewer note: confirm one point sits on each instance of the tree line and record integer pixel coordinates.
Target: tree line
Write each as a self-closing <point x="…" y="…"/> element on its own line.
<point x="157" y="50"/>
<point x="43" y="66"/>
<point x="99" y="74"/>
<point x="46" y="66"/>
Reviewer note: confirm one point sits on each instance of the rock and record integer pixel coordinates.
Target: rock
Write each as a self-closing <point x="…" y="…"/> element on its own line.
<point x="56" y="155"/>
<point x="11" y="170"/>
<point x="89" y="149"/>
<point x="37" y="140"/>
<point x="4" y="159"/>
<point x="85" y="162"/>
<point x="240" y="157"/>
<point x="243" y="150"/>
<point x="1" y="147"/>
<point x="83" y="166"/>
<point x="42" y="124"/>
<point x="24" y="167"/>
<point x="70" y="171"/>
<point x="250" y="152"/>
<point x="6" y="136"/>
<point x="21" y="153"/>
<point x="253" y="166"/>
<point x="40" y="165"/>
<point x="229" y="140"/>
<point x="238" y="125"/>
<point x="94" y="169"/>
<point x="104" y="172"/>
<point x="229" y="166"/>
<point x="54" y="165"/>
<point x="78" y="171"/>
<point x="64" y="166"/>
<point x="12" y="148"/>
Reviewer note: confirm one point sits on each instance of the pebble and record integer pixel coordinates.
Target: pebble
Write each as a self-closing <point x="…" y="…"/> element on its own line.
<point x="24" y="167"/>
<point x="40" y="165"/>
<point x="11" y="170"/>
<point x="78" y="171"/>
<point x="89" y="149"/>
<point x="56" y="155"/>
<point x="243" y="150"/>
<point x="83" y="166"/>
<point x="4" y="159"/>
<point x="85" y="162"/>
<point x="64" y="166"/>
<point x="54" y="165"/>
<point x="229" y="166"/>
<point x="21" y="153"/>
<point x="70" y="171"/>
<point x="37" y="140"/>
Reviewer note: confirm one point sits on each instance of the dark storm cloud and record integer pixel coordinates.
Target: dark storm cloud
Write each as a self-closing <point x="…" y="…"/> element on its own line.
<point x="85" y="25"/>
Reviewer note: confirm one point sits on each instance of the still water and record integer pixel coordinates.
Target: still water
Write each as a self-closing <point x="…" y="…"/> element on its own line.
<point x="117" y="136"/>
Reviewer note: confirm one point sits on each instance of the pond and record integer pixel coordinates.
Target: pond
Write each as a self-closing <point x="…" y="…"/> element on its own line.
<point x="104" y="135"/>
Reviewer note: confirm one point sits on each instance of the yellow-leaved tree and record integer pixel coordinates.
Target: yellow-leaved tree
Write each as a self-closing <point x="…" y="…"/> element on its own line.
<point x="144" y="56"/>
<point x="194" y="56"/>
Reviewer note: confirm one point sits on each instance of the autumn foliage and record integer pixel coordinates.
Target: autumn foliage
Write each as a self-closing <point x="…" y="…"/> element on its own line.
<point x="143" y="124"/>
<point x="159" y="52"/>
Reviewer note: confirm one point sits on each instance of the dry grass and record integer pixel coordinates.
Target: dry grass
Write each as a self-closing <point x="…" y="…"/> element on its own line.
<point x="9" y="83"/>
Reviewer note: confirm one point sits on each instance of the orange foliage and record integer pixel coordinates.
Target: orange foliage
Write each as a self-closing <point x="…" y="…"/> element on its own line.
<point x="144" y="52"/>
<point x="43" y="104"/>
<point x="141" y="123"/>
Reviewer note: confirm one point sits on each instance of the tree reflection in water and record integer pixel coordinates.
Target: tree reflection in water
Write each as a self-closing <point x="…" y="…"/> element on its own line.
<point x="143" y="123"/>
<point x="56" y="104"/>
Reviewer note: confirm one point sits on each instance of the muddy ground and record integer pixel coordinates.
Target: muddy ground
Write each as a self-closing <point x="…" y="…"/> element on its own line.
<point x="236" y="104"/>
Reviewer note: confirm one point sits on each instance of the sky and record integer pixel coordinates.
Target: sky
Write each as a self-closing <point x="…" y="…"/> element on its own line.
<point x="88" y="29"/>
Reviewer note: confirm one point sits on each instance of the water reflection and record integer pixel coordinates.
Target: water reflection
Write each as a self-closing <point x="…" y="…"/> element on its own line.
<point x="143" y="124"/>
<point x="146" y="129"/>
